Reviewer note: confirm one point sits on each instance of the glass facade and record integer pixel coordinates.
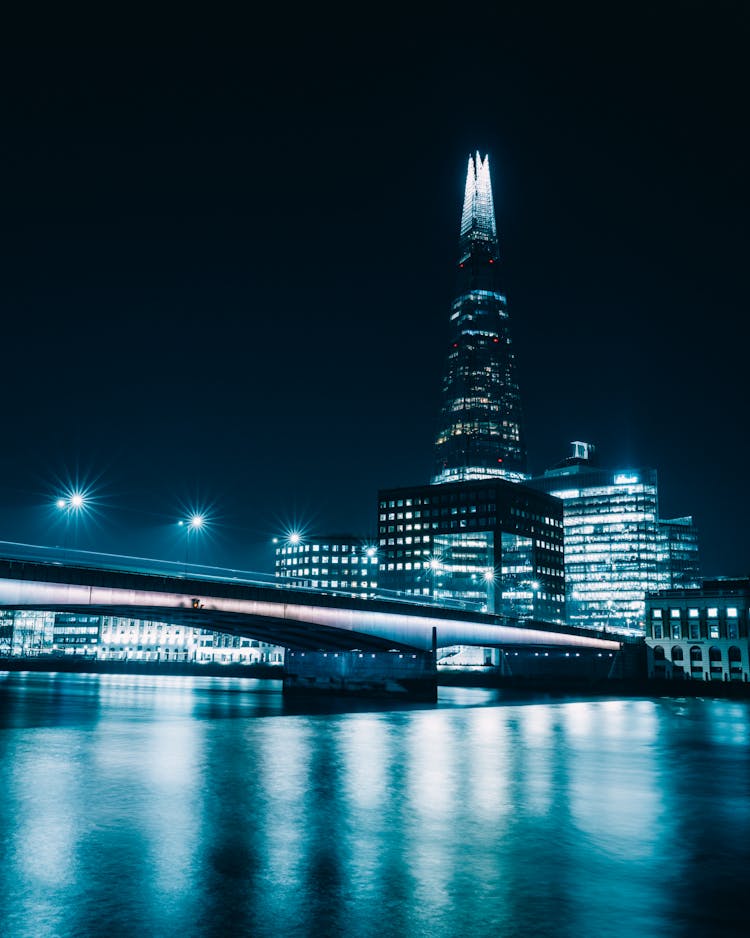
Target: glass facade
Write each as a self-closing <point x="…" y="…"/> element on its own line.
<point x="491" y="545"/>
<point x="480" y="433"/>
<point x="26" y="634"/>
<point x="680" y="552"/>
<point x="616" y="547"/>
<point x="341" y="563"/>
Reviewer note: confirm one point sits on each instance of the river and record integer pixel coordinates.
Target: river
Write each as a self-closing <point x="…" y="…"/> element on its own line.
<point x="192" y="806"/>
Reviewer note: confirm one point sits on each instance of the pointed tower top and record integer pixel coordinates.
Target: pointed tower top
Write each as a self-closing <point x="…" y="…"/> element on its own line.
<point x="478" y="216"/>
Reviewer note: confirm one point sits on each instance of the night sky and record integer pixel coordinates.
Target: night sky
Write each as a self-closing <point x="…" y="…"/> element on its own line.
<point x="228" y="260"/>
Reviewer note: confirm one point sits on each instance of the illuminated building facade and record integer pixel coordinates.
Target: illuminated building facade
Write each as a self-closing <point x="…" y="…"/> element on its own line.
<point x="25" y="633"/>
<point x="76" y="634"/>
<point x="476" y="535"/>
<point x="616" y="547"/>
<point x="335" y="562"/>
<point x="491" y="544"/>
<point x="480" y="433"/>
<point x="112" y="638"/>
<point x="142" y="640"/>
<point x="701" y="633"/>
<point x="680" y="552"/>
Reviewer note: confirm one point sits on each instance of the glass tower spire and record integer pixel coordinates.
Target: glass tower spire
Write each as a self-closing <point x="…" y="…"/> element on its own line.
<point x="480" y="434"/>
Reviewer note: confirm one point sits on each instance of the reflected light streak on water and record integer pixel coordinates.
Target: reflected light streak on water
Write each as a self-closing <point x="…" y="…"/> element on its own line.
<point x="201" y="806"/>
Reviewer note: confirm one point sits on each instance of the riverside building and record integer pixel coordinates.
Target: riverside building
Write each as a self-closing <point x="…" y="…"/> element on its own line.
<point x="112" y="638"/>
<point x="489" y="544"/>
<point x="700" y="634"/>
<point x="616" y="547"/>
<point x="476" y="535"/>
<point x="335" y="562"/>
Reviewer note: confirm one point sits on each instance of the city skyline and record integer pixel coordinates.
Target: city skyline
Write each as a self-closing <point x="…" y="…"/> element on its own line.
<point x="232" y="294"/>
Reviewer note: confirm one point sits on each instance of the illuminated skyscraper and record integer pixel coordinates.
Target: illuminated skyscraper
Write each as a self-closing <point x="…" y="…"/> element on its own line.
<point x="481" y="433"/>
<point x="616" y="547"/>
<point x="475" y="535"/>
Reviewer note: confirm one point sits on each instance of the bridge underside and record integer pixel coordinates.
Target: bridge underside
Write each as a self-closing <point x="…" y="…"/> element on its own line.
<point x="286" y="633"/>
<point x="299" y="634"/>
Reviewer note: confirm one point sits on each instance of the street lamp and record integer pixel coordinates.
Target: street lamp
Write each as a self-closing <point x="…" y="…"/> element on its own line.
<point x="489" y="578"/>
<point x="195" y="522"/>
<point x="534" y="591"/>
<point x="434" y="566"/>
<point x="72" y="504"/>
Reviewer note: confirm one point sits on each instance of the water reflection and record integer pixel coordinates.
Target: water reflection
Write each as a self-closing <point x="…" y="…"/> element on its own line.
<point x="201" y="806"/>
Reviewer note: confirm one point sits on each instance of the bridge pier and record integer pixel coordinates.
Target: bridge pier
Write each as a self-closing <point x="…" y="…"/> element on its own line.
<point x="407" y="675"/>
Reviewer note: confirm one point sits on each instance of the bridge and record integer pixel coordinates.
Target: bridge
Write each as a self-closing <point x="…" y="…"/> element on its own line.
<point x="332" y="639"/>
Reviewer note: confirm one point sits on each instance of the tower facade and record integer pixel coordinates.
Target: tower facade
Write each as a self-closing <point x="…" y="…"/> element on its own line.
<point x="480" y="434"/>
<point x="617" y="549"/>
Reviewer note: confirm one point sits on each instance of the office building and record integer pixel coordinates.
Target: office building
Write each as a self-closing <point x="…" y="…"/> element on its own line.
<point x="680" y="552"/>
<point x="75" y="634"/>
<point x="112" y="638"/>
<point x="616" y="547"/>
<point x="124" y="639"/>
<point x="342" y="563"/>
<point x="489" y="544"/>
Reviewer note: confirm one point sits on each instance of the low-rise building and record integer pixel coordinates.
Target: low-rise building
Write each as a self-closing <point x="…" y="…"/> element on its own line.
<point x="701" y="633"/>
<point x="341" y="563"/>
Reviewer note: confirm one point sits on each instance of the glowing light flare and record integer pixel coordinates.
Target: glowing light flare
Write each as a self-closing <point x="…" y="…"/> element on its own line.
<point x="194" y="523"/>
<point x="74" y="501"/>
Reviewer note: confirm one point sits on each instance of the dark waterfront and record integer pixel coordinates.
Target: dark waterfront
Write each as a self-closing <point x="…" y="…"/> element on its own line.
<point x="161" y="806"/>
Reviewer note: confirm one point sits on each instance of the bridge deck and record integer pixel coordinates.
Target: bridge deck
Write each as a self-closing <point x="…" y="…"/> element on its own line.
<point x="270" y="612"/>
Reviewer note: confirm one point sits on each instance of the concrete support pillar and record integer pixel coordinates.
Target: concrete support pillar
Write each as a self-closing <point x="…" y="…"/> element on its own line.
<point x="409" y="675"/>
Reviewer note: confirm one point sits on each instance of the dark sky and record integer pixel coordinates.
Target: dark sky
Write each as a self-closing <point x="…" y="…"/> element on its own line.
<point x="228" y="248"/>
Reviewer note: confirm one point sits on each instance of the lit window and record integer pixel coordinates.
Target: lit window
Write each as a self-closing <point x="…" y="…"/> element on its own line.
<point x="692" y="613"/>
<point x="713" y="613"/>
<point x="731" y="612"/>
<point x="674" y="613"/>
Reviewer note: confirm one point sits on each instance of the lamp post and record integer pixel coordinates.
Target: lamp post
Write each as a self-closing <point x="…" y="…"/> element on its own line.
<point x="489" y="578"/>
<point x="194" y="523"/>
<point x="534" y="591"/>
<point x="72" y="504"/>
<point x="434" y="566"/>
